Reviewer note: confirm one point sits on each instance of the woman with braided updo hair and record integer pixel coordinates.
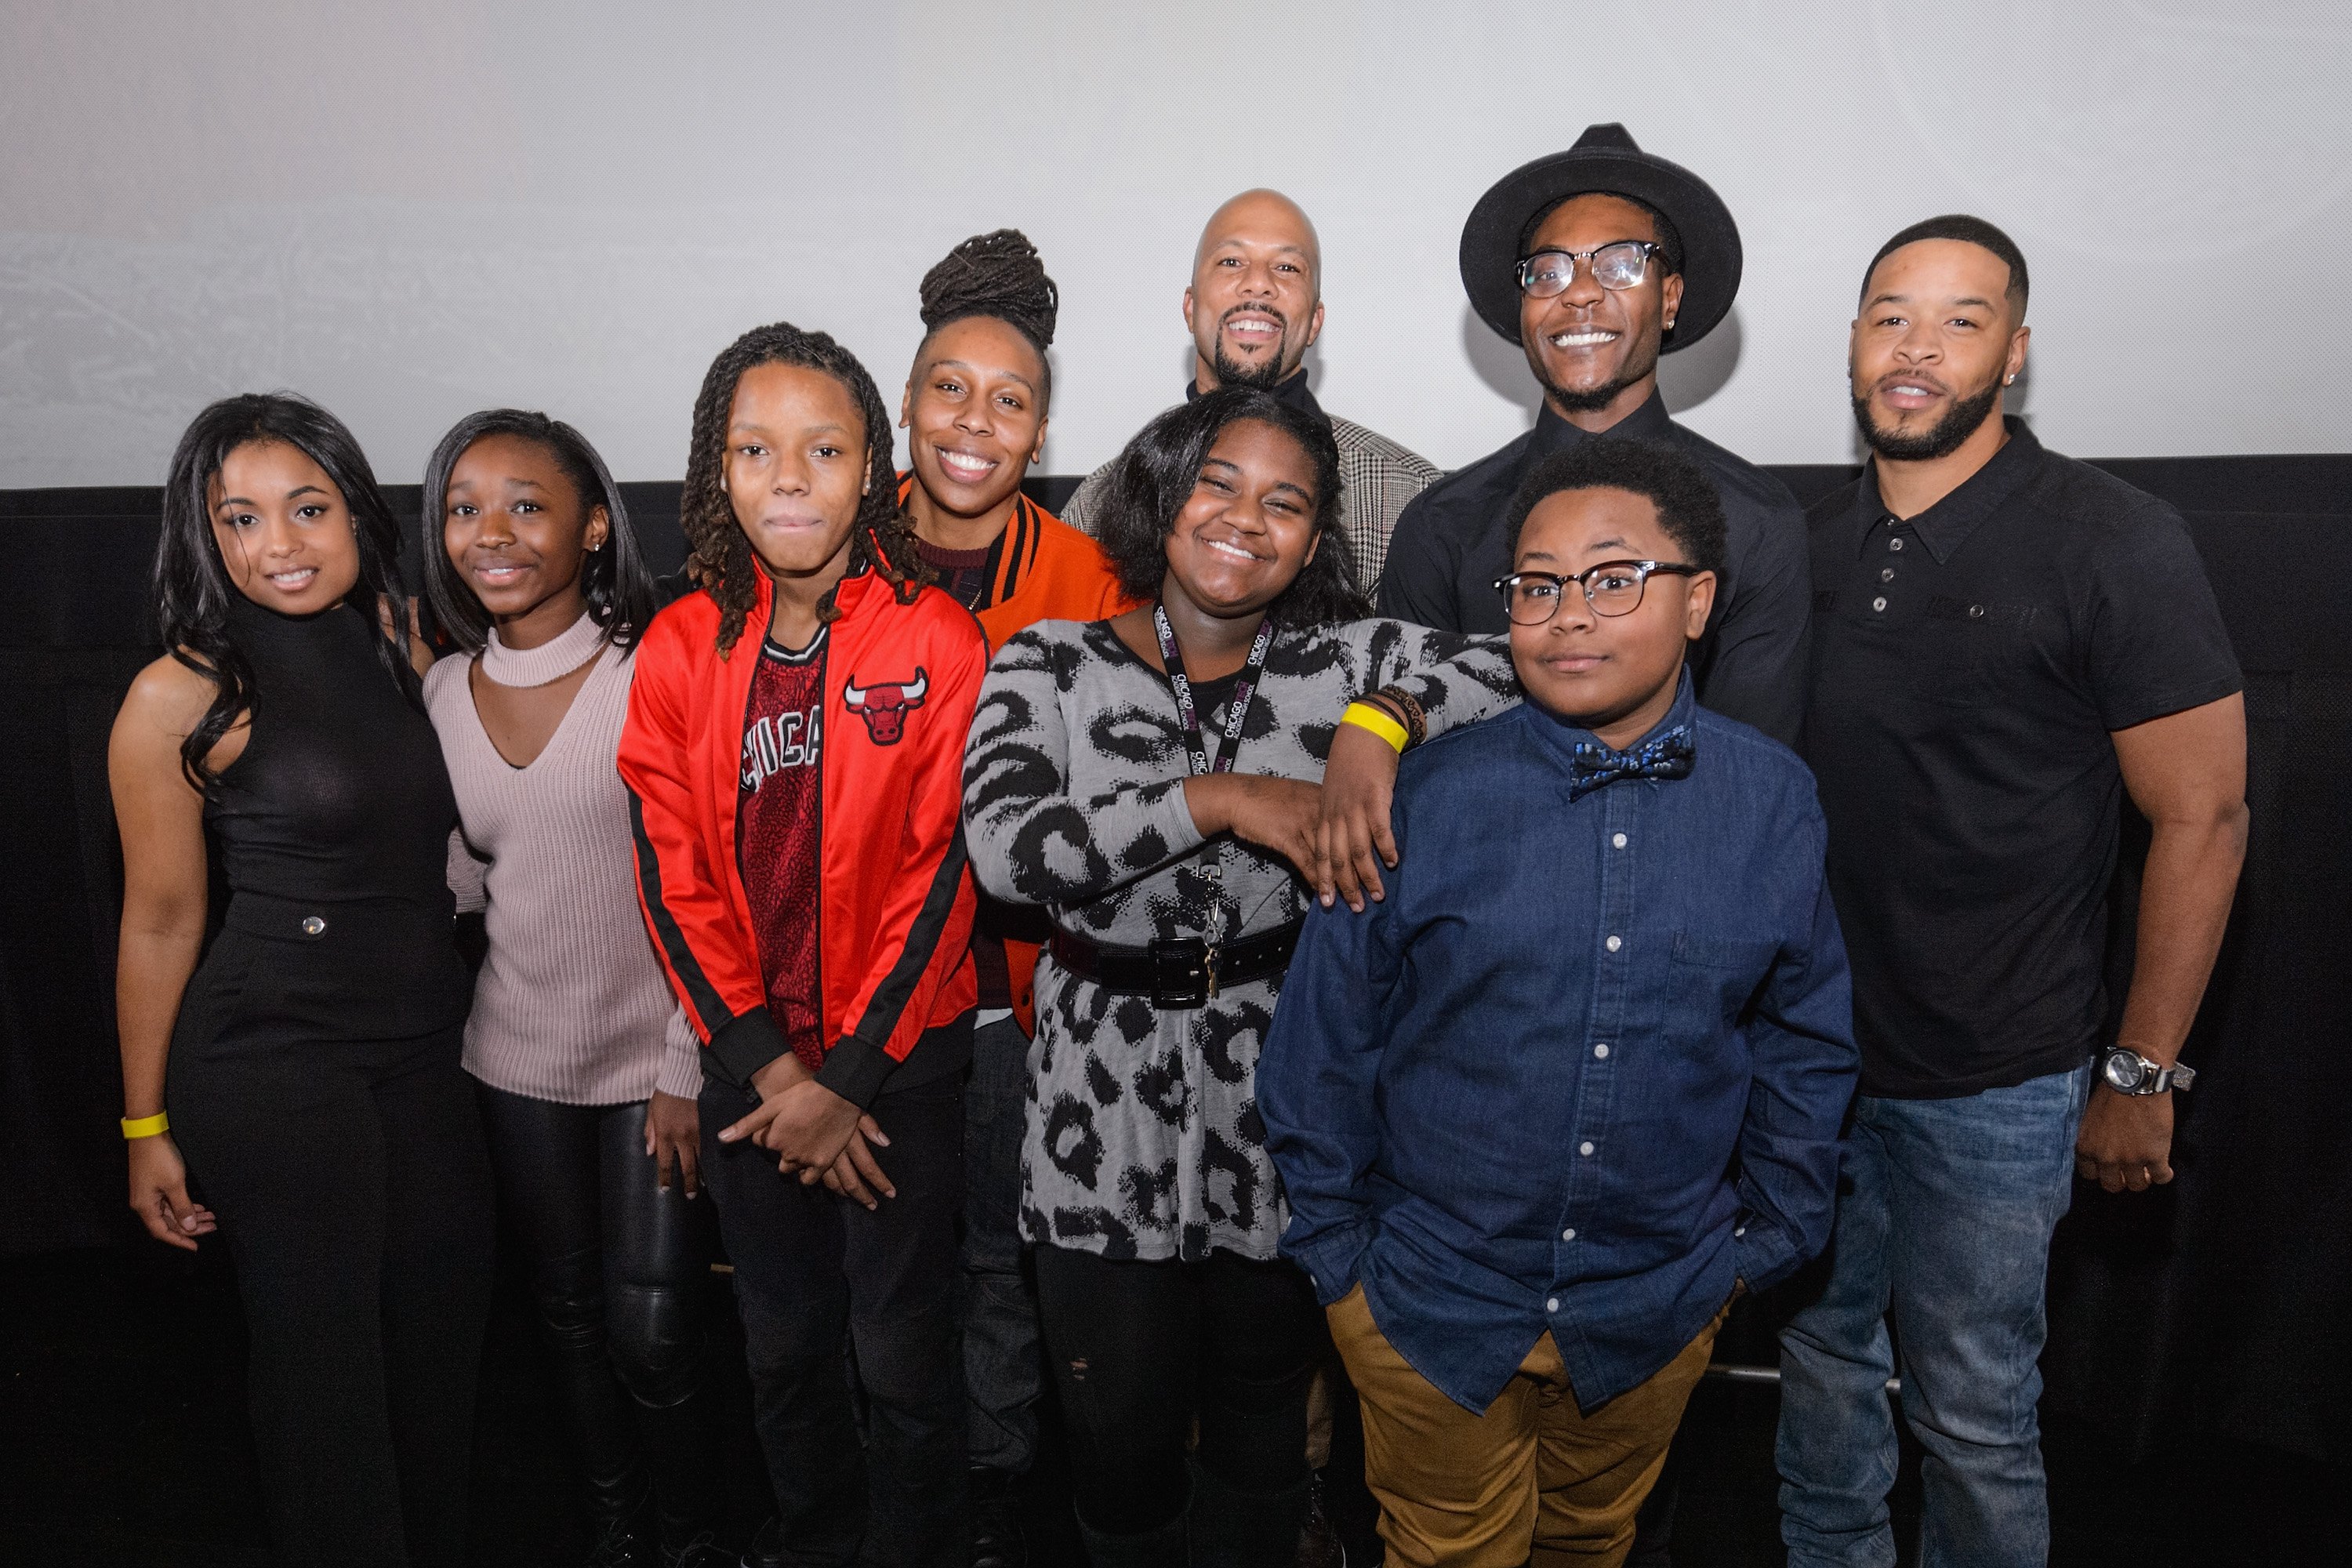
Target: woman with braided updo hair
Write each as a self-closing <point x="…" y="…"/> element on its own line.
<point x="793" y="753"/>
<point x="974" y="412"/>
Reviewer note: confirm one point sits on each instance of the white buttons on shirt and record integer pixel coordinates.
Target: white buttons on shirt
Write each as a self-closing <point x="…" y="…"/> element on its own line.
<point x="1886" y="574"/>
<point x="1551" y="1304"/>
<point x="1738" y="1230"/>
<point x="1585" y="1148"/>
<point x="1618" y="841"/>
<point x="1879" y="603"/>
<point x="1569" y="1234"/>
<point x="1893" y="544"/>
<point x="1614" y="943"/>
<point x="1602" y="1051"/>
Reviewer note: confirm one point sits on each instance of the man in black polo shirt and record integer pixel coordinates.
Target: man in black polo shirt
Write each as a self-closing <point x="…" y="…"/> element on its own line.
<point x="1595" y="261"/>
<point x="2004" y="642"/>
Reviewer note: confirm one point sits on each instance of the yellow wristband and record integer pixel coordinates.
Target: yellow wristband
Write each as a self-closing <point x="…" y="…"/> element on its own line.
<point x="146" y="1126"/>
<point x="1364" y="716"/>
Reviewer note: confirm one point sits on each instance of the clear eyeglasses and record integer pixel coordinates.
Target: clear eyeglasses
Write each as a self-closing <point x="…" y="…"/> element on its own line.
<point x="1622" y="263"/>
<point x="1611" y="588"/>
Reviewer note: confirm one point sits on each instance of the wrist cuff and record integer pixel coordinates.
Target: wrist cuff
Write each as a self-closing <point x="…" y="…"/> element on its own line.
<point x="856" y="1069"/>
<point x="742" y="1046"/>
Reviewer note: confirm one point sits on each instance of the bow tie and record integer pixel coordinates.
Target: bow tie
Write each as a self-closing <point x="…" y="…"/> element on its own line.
<point x="1666" y="756"/>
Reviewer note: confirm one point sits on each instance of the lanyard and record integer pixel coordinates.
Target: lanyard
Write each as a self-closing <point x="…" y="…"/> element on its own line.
<point x="1188" y="717"/>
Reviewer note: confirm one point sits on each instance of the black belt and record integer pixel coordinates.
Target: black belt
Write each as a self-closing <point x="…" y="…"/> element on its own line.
<point x="1185" y="972"/>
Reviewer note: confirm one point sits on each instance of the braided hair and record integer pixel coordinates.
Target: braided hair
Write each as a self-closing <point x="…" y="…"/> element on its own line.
<point x="999" y="275"/>
<point x="719" y="558"/>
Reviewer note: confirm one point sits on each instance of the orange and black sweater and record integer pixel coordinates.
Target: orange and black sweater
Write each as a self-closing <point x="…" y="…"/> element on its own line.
<point x="1039" y="569"/>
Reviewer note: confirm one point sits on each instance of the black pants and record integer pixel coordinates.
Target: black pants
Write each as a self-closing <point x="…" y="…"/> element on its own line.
<point x="1004" y="1374"/>
<point x="618" y="1268"/>
<point x="1140" y="1349"/>
<point x="810" y="1267"/>
<point x="353" y="1194"/>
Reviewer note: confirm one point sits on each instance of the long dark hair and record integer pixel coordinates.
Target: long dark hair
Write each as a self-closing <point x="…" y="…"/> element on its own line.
<point x="1151" y="480"/>
<point x="192" y="591"/>
<point x="618" y="588"/>
<point x="721" y="561"/>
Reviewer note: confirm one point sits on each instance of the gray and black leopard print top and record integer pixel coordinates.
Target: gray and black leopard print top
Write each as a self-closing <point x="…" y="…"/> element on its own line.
<point x="1143" y="1136"/>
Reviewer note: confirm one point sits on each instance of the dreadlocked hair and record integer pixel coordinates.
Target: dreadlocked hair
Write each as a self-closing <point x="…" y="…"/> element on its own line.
<point x="719" y="559"/>
<point x="999" y="275"/>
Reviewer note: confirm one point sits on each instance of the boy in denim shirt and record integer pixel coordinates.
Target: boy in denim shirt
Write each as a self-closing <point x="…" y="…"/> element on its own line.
<point x="1576" y="1080"/>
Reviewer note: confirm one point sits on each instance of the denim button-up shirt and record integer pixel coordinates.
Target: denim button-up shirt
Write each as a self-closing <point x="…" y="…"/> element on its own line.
<point x="1582" y="1069"/>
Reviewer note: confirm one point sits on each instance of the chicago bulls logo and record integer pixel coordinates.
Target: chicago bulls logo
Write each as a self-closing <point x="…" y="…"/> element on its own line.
<point x="884" y="708"/>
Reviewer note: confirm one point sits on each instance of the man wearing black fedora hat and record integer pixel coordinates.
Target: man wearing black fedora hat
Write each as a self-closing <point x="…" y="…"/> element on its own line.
<point x="1596" y="261"/>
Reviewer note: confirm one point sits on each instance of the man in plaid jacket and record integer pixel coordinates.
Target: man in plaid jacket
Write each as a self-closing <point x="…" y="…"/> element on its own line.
<point x="1255" y="305"/>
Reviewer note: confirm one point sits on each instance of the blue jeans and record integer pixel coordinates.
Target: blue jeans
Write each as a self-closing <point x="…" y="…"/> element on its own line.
<point x="1945" y="1211"/>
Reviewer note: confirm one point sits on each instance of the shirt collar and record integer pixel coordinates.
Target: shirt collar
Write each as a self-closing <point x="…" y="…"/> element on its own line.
<point x="1553" y="434"/>
<point x="1946" y="526"/>
<point x="1292" y="391"/>
<point x="1568" y="736"/>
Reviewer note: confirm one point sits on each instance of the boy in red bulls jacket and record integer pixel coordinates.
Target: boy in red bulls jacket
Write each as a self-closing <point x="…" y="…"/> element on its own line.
<point x="793" y="753"/>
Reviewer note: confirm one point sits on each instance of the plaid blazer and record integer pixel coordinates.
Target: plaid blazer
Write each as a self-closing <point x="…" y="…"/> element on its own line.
<point x="1377" y="477"/>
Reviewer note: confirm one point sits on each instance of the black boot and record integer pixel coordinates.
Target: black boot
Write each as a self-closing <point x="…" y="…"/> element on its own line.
<point x="1160" y="1548"/>
<point x="702" y="1552"/>
<point x="767" y="1547"/>
<point x="1235" y="1529"/>
<point x="997" y="1540"/>
<point x="626" y="1535"/>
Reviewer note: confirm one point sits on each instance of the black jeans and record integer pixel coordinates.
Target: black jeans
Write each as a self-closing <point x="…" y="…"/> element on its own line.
<point x="355" y="1199"/>
<point x="1003" y="1367"/>
<point x="618" y="1269"/>
<point x="1138" y="1350"/>
<point x="811" y="1267"/>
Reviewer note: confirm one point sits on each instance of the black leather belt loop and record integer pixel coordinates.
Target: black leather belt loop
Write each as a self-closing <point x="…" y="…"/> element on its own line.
<point x="1184" y="972"/>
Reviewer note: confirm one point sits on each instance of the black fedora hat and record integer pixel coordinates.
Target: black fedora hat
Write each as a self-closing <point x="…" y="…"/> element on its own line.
<point x="1604" y="159"/>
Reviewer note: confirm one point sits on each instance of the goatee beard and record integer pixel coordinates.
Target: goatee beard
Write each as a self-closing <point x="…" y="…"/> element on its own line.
<point x="1940" y="439"/>
<point x="1596" y="398"/>
<point x="1231" y="371"/>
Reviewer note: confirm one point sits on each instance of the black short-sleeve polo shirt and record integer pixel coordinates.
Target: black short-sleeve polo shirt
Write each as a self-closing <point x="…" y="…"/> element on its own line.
<point x="1968" y="665"/>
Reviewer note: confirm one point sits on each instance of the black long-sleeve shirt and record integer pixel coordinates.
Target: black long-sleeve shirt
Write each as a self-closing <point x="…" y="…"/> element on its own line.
<point x="1450" y="546"/>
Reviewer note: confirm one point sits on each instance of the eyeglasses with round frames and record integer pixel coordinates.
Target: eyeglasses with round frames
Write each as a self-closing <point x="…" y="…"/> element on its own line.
<point x="1620" y="264"/>
<point x="1611" y="588"/>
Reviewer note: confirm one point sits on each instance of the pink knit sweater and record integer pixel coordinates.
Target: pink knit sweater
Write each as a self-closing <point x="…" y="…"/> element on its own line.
<point x="571" y="1004"/>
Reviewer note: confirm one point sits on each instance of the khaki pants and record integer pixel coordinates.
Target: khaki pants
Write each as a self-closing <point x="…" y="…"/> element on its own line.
<point x="1532" y="1475"/>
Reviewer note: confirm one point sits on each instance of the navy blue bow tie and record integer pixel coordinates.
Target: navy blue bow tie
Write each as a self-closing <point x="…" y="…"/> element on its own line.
<point x="1666" y="756"/>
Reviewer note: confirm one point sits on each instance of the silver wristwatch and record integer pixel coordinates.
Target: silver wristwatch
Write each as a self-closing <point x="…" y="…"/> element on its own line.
<point x="2129" y="1072"/>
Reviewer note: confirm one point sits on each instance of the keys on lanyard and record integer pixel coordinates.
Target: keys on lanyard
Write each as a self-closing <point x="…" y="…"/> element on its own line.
<point x="1188" y="717"/>
<point x="1188" y="721"/>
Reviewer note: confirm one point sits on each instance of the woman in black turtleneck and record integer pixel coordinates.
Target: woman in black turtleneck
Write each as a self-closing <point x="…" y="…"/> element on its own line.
<point x="314" y="1081"/>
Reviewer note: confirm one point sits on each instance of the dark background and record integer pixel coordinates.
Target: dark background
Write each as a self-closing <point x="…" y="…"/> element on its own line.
<point x="2199" y="1369"/>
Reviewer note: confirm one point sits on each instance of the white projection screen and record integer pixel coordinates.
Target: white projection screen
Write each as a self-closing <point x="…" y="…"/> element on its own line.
<point x="410" y="211"/>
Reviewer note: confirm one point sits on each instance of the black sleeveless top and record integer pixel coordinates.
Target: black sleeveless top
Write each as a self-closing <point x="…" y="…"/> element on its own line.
<point x="333" y="829"/>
